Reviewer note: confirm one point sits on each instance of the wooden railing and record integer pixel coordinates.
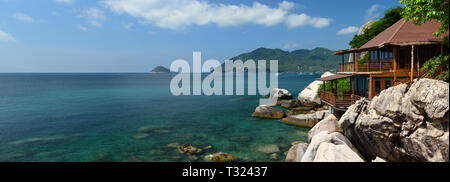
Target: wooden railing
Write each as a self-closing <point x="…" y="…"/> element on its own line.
<point x="383" y="65"/>
<point x="340" y="99"/>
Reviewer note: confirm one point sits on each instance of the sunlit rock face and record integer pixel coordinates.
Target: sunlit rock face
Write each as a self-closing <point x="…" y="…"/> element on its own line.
<point x="402" y="123"/>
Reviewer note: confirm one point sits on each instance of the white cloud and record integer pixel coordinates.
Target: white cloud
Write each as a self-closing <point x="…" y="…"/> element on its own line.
<point x="93" y="14"/>
<point x="23" y="17"/>
<point x="64" y="1"/>
<point x="95" y="23"/>
<point x="289" y="46"/>
<point x="83" y="28"/>
<point x="6" y="37"/>
<point x="296" y="20"/>
<point x="128" y="26"/>
<point x="373" y="12"/>
<point x="285" y="5"/>
<point x="176" y="14"/>
<point x="348" y="30"/>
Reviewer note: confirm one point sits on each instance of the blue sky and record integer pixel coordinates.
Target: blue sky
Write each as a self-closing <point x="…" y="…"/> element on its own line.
<point x="137" y="35"/>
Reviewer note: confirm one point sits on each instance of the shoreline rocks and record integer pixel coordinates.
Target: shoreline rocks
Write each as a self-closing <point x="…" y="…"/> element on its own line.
<point x="278" y="94"/>
<point x="326" y="144"/>
<point x="402" y="124"/>
<point x="264" y="111"/>
<point x="308" y="96"/>
<point x="306" y="120"/>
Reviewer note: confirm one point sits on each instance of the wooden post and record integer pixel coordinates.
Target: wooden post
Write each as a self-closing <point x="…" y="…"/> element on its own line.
<point x="394" y="59"/>
<point x="352" y="82"/>
<point x="412" y="63"/>
<point x="442" y="49"/>
<point x="354" y="60"/>
<point x="370" y="87"/>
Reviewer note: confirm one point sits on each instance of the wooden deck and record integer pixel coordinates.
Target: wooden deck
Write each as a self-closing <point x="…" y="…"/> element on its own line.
<point x="339" y="100"/>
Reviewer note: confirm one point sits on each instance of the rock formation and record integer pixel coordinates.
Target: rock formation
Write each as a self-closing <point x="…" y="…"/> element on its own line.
<point x="268" y="112"/>
<point x="308" y="96"/>
<point x="277" y="95"/>
<point x="402" y="123"/>
<point x="306" y="120"/>
<point x="359" y="55"/>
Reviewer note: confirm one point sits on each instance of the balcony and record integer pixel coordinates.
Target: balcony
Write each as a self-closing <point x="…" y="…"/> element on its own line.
<point x="340" y="99"/>
<point x="384" y="65"/>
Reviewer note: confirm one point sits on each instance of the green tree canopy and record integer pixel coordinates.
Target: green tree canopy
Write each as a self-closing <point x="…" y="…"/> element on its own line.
<point x="421" y="11"/>
<point x="390" y="17"/>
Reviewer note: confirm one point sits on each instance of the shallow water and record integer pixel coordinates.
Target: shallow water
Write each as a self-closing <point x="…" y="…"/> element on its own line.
<point x="96" y="117"/>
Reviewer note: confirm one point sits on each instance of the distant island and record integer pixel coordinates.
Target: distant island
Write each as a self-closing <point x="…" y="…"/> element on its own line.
<point x="160" y="69"/>
<point x="302" y="60"/>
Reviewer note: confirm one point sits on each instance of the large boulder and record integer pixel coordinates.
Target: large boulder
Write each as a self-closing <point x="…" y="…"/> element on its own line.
<point x="264" y="111"/>
<point x="359" y="55"/>
<point x="329" y="124"/>
<point x="306" y="120"/>
<point x="308" y="96"/>
<point x="331" y="147"/>
<point x="278" y="94"/>
<point x="402" y="123"/>
<point x="296" y="152"/>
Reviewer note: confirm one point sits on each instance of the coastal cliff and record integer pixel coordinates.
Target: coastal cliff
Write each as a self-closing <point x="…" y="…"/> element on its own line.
<point x="403" y="124"/>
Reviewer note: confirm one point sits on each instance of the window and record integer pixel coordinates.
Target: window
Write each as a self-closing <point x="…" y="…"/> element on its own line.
<point x="377" y="86"/>
<point x="387" y="84"/>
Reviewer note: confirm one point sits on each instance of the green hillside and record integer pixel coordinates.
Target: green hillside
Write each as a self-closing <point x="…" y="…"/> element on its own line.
<point x="303" y="60"/>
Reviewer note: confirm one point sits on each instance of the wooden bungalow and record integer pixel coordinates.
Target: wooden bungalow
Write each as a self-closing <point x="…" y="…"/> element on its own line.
<point x="394" y="56"/>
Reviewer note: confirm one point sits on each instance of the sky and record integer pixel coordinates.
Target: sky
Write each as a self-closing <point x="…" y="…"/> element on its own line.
<point x="138" y="35"/>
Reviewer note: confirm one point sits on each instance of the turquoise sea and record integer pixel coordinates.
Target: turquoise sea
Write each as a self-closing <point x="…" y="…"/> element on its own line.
<point x="96" y="117"/>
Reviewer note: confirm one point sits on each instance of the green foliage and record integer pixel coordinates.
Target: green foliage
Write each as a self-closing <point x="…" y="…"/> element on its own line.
<point x="303" y="60"/>
<point x="421" y="11"/>
<point x="343" y="85"/>
<point x="364" y="59"/>
<point x="390" y="17"/>
<point x="436" y="68"/>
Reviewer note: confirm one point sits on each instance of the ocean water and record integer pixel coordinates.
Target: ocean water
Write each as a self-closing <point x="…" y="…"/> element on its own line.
<point x="96" y="117"/>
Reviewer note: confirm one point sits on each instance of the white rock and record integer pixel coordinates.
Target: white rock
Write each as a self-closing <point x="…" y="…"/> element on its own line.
<point x="329" y="124"/>
<point x="308" y="96"/>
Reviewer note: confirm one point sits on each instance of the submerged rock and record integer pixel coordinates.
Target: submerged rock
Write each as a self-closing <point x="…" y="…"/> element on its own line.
<point x="402" y="124"/>
<point x="220" y="157"/>
<point x="241" y="138"/>
<point x="173" y="145"/>
<point x="306" y="120"/>
<point x="149" y="129"/>
<point x="189" y="149"/>
<point x="141" y="135"/>
<point x="308" y="96"/>
<point x="268" y="112"/>
<point x="268" y="149"/>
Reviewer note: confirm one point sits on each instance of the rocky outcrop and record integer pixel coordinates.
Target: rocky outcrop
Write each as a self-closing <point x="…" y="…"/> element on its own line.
<point x="278" y="95"/>
<point x="220" y="157"/>
<point x="359" y="55"/>
<point x="331" y="147"/>
<point x="189" y="149"/>
<point x="329" y="124"/>
<point x="306" y="120"/>
<point x="289" y="103"/>
<point x="268" y="112"/>
<point x="308" y="96"/>
<point x="296" y="152"/>
<point x="402" y="123"/>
